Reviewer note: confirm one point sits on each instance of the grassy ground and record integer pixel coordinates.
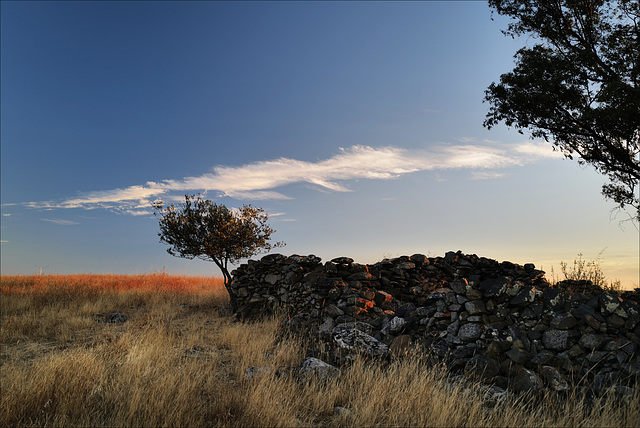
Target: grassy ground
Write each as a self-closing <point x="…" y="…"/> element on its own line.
<point x="180" y="359"/>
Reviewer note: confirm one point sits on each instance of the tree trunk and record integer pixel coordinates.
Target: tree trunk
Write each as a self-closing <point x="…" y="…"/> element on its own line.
<point x="228" y="280"/>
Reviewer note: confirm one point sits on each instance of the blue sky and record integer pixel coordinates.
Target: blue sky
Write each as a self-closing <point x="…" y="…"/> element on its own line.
<point x="356" y="125"/>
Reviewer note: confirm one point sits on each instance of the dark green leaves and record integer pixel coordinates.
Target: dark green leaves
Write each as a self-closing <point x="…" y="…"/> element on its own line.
<point x="579" y="87"/>
<point x="203" y="229"/>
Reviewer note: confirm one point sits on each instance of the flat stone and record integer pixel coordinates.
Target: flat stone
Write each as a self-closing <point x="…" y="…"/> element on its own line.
<point x="615" y="321"/>
<point x="608" y="303"/>
<point x="470" y="332"/>
<point x="473" y="293"/>
<point x="356" y="340"/>
<point x="315" y="367"/>
<point x="419" y="258"/>
<point x="404" y="309"/>
<point x="342" y="260"/>
<point x="459" y="286"/>
<point x="592" y="341"/>
<point x="575" y="351"/>
<point x="116" y="317"/>
<point x="350" y="325"/>
<point x="327" y="326"/>
<point x="592" y="322"/>
<point x="554" y="379"/>
<point x="526" y="380"/>
<point x="271" y="278"/>
<point x="564" y="322"/>
<point x="332" y="310"/>
<point x="495" y="286"/>
<point x="395" y="326"/>
<point x="553" y="298"/>
<point x="518" y="356"/>
<point x="542" y="357"/>
<point x="382" y="298"/>
<point x="527" y="295"/>
<point x="480" y="367"/>
<point x="556" y="340"/>
<point x="475" y="307"/>
<point x="583" y="310"/>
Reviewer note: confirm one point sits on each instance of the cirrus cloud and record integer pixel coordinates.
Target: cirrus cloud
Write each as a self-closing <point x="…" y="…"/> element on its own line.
<point x="259" y="180"/>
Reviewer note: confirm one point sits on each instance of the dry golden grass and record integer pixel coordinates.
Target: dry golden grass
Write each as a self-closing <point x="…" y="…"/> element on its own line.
<point x="176" y="365"/>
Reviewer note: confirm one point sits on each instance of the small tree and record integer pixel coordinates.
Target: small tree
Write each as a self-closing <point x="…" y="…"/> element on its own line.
<point x="200" y="228"/>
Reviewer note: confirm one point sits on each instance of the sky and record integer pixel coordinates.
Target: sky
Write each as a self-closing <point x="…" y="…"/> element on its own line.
<point x="356" y="125"/>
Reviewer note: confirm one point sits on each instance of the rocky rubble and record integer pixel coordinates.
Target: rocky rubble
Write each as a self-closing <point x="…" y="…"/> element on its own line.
<point x="500" y="323"/>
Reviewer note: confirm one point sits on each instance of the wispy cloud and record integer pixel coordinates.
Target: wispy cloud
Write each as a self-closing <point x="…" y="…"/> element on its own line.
<point x="265" y="180"/>
<point x="537" y="150"/>
<point x="487" y="175"/>
<point x="61" y="222"/>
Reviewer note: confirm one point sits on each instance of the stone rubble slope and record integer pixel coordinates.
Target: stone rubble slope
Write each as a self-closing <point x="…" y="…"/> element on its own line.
<point x="499" y="323"/>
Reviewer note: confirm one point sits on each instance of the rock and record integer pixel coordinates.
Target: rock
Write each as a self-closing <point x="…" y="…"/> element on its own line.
<point x="403" y="309"/>
<point x="564" y="322"/>
<point x="342" y="412"/>
<point x="481" y="368"/>
<point x="470" y="332"/>
<point x="326" y="328"/>
<point x="475" y="307"/>
<point x="382" y="298"/>
<point x="116" y="317"/>
<point x="315" y="367"/>
<point x="332" y="310"/>
<point x="495" y="286"/>
<point x="583" y="310"/>
<point x="519" y="356"/>
<point x="556" y="340"/>
<point x="527" y="295"/>
<point x="553" y="299"/>
<point x="395" y="326"/>
<point x="356" y="340"/>
<point x="604" y="381"/>
<point x="526" y="380"/>
<point x="358" y="325"/>
<point x="615" y="321"/>
<point x="459" y="286"/>
<point x="342" y="260"/>
<point x="608" y="303"/>
<point x="272" y="279"/>
<point x="592" y="341"/>
<point x="592" y="322"/>
<point x="554" y="379"/>
<point x="473" y="293"/>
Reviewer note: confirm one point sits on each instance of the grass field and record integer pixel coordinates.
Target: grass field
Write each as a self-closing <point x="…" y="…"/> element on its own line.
<point x="179" y="360"/>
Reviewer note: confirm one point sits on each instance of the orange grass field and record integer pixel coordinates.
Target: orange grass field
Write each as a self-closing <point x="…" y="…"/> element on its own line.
<point x="85" y="283"/>
<point x="179" y="360"/>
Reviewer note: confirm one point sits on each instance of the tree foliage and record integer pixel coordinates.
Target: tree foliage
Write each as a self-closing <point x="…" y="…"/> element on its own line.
<point x="579" y="87"/>
<point x="200" y="228"/>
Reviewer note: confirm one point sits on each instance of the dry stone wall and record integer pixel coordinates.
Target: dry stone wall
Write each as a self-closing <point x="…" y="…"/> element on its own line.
<point x="501" y="323"/>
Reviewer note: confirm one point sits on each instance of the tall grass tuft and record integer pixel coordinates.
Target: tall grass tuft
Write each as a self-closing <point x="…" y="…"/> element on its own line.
<point x="590" y="271"/>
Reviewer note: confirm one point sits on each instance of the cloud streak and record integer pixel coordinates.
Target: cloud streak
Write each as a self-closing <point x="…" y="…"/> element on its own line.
<point x="61" y="222"/>
<point x="264" y="180"/>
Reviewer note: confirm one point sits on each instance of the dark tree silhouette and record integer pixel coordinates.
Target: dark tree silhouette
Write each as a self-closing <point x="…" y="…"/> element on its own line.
<point x="200" y="228"/>
<point x="579" y="87"/>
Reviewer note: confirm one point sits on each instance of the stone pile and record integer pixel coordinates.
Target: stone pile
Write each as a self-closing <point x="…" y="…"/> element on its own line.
<point x="500" y="323"/>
